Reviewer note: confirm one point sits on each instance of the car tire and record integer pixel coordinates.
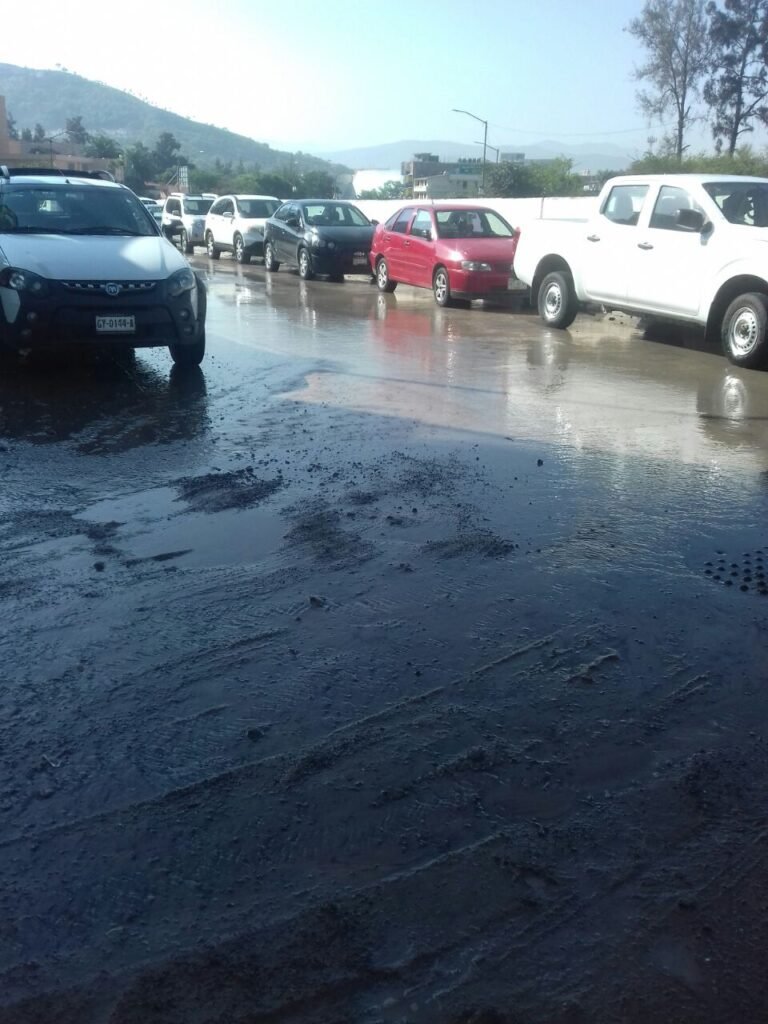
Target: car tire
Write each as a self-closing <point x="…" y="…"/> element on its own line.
<point x="557" y="302"/>
<point x="241" y="256"/>
<point x="305" y="265"/>
<point x="745" y="330"/>
<point x="383" y="281"/>
<point x="270" y="263"/>
<point x="211" y="248"/>
<point x="188" y="355"/>
<point x="441" y="287"/>
<point x="185" y="243"/>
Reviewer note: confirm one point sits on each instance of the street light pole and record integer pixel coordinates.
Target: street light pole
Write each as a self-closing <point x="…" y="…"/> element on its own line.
<point x="484" y="123"/>
<point x="495" y="150"/>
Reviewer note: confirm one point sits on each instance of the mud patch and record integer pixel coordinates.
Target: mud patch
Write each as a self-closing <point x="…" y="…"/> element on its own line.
<point x="218" y="492"/>
<point x="479" y="542"/>
<point x="320" y="530"/>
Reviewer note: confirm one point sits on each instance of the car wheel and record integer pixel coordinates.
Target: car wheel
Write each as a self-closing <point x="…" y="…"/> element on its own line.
<point x="190" y="354"/>
<point x="270" y="263"/>
<point x="441" y="287"/>
<point x="240" y="254"/>
<point x="213" y="250"/>
<point x="744" y="330"/>
<point x="558" y="304"/>
<point x="305" y="265"/>
<point x="185" y="243"/>
<point x="383" y="281"/>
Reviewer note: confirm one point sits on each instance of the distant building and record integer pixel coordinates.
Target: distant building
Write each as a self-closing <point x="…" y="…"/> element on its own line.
<point x="448" y="185"/>
<point x="58" y="153"/>
<point x="512" y="158"/>
<point x="459" y="176"/>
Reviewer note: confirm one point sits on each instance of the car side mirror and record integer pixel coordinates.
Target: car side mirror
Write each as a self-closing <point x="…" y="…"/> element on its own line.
<point x="690" y="220"/>
<point x="374" y="221"/>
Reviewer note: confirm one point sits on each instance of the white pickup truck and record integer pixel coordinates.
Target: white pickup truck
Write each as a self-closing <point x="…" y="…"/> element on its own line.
<point x="691" y="247"/>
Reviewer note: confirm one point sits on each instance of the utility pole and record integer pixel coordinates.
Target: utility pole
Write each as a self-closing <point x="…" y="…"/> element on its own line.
<point x="484" y="123"/>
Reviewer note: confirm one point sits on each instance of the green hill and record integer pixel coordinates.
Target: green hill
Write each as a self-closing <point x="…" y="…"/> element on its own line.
<point x="50" y="97"/>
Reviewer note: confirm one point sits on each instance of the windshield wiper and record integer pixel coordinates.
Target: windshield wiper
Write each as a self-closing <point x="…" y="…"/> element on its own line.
<point x="103" y="229"/>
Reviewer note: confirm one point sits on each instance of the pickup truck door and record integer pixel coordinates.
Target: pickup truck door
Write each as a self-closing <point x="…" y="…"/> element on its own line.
<point x="611" y="240"/>
<point x="669" y="263"/>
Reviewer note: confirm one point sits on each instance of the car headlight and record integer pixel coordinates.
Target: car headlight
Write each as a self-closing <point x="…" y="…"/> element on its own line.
<point x="318" y="242"/>
<point x="23" y="281"/>
<point x="475" y="265"/>
<point x="180" y="282"/>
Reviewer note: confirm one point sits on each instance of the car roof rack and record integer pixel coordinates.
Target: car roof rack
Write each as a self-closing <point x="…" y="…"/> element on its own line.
<point x="52" y="172"/>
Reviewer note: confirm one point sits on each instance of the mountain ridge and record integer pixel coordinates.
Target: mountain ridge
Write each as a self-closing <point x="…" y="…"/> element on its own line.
<point x="49" y="97"/>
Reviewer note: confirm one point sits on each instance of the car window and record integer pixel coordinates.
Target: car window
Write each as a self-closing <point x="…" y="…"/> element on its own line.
<point x="173" y="206"/>
<point x="744" y="203"/>
<point x="334" y="215"/>
<point x="670" y="201"/>
<point x="402" y="220"/>
<point x="217" y="206"/>
<point x="422" y="224"/>
<point x="623" y="204"/>
<point x="256" y="207"/>
<point x="197" y="207"/>
<point x="283" y="213"/>
<point x="390" y="222"/>
<point x="469" y="223"/>
<point x="73" y="210"/>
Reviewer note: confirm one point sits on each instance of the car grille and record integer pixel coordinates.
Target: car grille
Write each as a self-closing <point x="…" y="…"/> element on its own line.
<point x="126" y="287"/>
<point x="502" y="268"/>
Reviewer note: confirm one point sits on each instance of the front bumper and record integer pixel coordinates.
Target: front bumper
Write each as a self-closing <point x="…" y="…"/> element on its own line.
<point x="67" y="315"/>
<point x="341" y="261"/>
<point x="476" y="284"/>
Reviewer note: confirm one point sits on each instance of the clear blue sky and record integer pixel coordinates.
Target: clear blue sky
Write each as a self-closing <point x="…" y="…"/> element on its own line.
<point x="303" y="74"/>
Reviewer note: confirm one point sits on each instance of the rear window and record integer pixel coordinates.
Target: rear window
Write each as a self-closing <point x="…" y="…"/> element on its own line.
<point x="257" y="207"/>
<point x="197" y="207"/>
<point x="335" y="215"/>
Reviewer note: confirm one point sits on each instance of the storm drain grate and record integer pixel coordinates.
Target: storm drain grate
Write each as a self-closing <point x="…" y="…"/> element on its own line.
<point x="748" y="572"/>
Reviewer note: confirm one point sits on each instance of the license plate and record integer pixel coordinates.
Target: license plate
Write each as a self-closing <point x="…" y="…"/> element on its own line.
<point x="115" y="324"/>
<point x="359" y="261"/>
<point x="515" y="285"/>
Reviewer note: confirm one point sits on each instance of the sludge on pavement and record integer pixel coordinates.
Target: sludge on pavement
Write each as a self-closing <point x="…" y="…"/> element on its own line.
<point x="428" y="731"/>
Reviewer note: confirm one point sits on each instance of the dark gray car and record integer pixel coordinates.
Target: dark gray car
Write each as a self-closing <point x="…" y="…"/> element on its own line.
<point x="319" y="236"/>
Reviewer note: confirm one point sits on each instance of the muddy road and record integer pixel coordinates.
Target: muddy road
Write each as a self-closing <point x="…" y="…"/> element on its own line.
<point x="404" y="666"/>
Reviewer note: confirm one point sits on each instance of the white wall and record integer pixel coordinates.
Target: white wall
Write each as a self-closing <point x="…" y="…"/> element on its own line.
<point x="516" y="211"/>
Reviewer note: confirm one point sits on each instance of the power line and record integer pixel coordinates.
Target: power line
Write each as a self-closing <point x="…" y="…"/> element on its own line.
<point x="619" y="131"/>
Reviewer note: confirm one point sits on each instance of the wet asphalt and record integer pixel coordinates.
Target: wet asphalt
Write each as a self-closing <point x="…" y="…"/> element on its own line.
<point x="402" y="665"/>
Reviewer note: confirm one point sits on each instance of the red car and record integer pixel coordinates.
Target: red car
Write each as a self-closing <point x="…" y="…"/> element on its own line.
<point x="460" y="252"/>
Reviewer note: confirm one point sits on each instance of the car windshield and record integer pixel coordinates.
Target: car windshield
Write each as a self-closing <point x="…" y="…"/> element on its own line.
<point x="468" y="223"/>
<point x="335" y="215"/>
<point x="257" y="207"/>
<point x="197" y="206"/>
<point x="742" y="202"/>
<point x="73" y="210"/>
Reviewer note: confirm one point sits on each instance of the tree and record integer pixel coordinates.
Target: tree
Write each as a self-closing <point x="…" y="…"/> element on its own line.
<point x="26" y="134"/>
<point x="389" y="190"/>
<point x="524" y="180"/>
<point x="102" y="146"/>
<point x="737" y="90"/>
<point x="165" y="153"/>
<point x="139" y="166"/>
<point x="674" y="34"/>
<point x="317" y="185"/>
<point x="75" y="131"/>
<point x="39" y="133"/>
<point x="13" y="131"/>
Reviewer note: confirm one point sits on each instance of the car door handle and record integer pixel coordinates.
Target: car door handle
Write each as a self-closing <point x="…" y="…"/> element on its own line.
<point x="644" y="245"/>
<point x="406" y="242"/>
<point x="593" y="238"/>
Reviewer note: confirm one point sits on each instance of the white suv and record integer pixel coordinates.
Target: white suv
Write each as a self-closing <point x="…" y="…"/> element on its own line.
<point x="236" y="224"/>
<point x="184" y="218"/>
<point x="82" y="261"/>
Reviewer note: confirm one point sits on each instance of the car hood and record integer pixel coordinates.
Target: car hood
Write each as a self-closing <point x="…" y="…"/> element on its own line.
<point x="484" y="249"/>
<point x="92" y="257"/>
<point x="344" y="236"/>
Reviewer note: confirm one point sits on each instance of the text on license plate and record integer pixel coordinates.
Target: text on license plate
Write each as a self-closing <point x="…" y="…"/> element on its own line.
<point x="115" y="324"/>
<point x="514" y="284"/>
<point x="359" y="261"/>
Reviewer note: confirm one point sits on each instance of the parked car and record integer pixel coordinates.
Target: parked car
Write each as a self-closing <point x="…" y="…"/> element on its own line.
<point x="688" y="247"/>
<point x="184" y="218"/>
<point x="236" y="224"/>
<point x="154" y="207"/>
<point x="319" y="236"/>
<point x="82" y="260"/>
<point x="460" y="252"/>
